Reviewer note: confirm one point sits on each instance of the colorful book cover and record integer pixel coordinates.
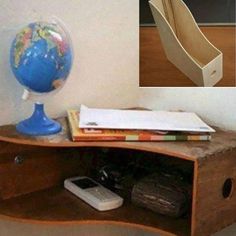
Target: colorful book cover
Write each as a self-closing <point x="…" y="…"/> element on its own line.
<point x="79" y="134"/>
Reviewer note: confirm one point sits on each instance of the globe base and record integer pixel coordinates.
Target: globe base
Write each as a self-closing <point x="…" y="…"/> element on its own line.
<point x="38" y="124"/>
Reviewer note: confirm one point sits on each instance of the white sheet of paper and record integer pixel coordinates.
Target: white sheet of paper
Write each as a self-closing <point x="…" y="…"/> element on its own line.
<point x="143" y="120"/>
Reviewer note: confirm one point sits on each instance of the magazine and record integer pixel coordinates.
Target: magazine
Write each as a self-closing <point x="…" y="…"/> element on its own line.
<point x="91" y="134"/>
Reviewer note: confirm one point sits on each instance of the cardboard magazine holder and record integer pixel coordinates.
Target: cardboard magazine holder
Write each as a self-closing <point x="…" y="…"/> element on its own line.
<point x="184" y="43"/>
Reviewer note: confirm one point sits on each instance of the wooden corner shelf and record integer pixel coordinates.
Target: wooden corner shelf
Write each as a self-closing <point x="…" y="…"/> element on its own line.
<point x="192" y="151"/>
<point x="31" y="190"/>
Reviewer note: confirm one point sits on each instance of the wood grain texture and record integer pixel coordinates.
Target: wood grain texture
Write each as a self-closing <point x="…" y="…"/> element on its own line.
<point x="47" y="167"/>
<point x="57" y="204"/>
<point x="40" y="168"/>
<point x="163" y="193"/>
<point x="47" y="164"/>
<point x="191" y="150"/>
<point x="212" y="211"/>
<point x="157" y="71"/>
<point x="11" y="227"/>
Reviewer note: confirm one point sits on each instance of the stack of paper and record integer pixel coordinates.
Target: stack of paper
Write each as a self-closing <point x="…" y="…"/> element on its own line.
<point x="143" y="120"/>
<point x="135" y="125"/>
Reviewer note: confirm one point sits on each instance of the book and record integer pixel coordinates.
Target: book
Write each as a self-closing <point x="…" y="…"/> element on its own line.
<point x="141" y="120"/>
<point x="87" y="134"/>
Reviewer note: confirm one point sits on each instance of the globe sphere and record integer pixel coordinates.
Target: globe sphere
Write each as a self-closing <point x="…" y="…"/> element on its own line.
<point x="41" y="57"/>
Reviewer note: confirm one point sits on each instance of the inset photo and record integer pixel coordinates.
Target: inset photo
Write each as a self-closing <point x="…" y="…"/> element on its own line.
<point x="186" y="43"/>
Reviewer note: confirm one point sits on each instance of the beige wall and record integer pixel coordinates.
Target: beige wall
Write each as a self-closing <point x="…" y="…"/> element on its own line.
<point x="106" y="67"/>
<point x="217" y="106"/>
<point x="106" y="47"/>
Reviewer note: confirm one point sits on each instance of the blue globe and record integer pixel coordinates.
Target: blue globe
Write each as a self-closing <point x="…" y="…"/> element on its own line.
<point x="41" y="57"/>
<point x="41" y="60"/>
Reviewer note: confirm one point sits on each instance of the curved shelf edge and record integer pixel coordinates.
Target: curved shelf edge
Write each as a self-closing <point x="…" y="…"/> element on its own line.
<point x="30" y="209"/>
<point x="85" y="222"/>
<point x="9" y="134"/>
<point x="189" y="150"/>
<point x="141" y="146"/>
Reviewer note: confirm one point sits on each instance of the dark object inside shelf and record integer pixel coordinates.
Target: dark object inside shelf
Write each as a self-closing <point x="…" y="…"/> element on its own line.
<point x="121" y="173"/>
<point x="116" y="169"/>
<point x="204" y="11"/>
<point x="164" y="193"/>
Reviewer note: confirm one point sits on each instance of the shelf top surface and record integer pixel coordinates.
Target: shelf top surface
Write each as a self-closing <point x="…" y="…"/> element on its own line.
<point x="191" y="150"/>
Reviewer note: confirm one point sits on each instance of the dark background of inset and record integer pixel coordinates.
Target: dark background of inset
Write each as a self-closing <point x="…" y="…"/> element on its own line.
<point x="204" y="11"/>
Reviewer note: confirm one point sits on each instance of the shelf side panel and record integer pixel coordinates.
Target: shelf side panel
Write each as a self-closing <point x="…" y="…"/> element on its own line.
<point x="215" y="196"/>
<point x="25" y="169"/>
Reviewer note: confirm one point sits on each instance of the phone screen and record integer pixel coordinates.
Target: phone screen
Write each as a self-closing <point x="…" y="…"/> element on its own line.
<point x="84" y="183"/>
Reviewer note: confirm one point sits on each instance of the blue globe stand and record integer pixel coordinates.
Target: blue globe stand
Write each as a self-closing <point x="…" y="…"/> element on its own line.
<point x="38" y="124"/>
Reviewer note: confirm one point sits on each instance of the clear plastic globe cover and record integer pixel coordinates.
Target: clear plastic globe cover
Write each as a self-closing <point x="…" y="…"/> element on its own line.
<point x="41" y="56"/>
